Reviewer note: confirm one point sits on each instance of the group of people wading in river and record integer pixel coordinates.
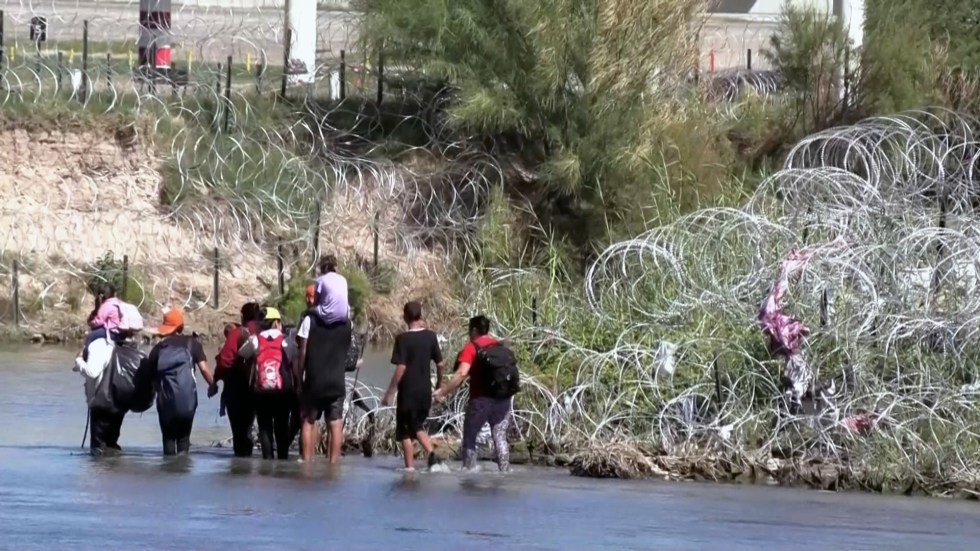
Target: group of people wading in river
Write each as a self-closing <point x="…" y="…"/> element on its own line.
<point x="286" y="380"/>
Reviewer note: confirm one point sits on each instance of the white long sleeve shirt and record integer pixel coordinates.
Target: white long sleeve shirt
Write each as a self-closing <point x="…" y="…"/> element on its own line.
<point x="99" y="356"/>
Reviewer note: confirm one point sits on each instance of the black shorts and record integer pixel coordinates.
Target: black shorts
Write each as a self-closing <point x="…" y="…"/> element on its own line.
<point x="332" y="408"/>
<point x="408" y="422"/>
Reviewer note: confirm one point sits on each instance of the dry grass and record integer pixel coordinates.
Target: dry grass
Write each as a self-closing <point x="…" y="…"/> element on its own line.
<point x="615" y="460"/>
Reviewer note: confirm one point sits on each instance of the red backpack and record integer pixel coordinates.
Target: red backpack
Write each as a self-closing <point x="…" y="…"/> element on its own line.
<point x="271" y="372"/>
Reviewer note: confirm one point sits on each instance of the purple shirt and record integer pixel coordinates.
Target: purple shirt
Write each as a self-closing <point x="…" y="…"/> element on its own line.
<point x="332" y="305"/>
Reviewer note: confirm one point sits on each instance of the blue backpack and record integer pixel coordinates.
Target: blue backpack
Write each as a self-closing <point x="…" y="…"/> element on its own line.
<point x="176" y="389"/>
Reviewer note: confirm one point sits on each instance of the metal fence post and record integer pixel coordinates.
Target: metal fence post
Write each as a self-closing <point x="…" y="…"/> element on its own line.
<point x="381" y="77"/>
<point x="285" y="61"/>
<point x="61" y="68"/>
<point x="15" y="284"/>
<point x="534" y="315"/>
<point x="316" y="234"/>
<point x="717" y="367"/>
<point x="227" y="95"/>
<point x="748" y="61"/>
<point x="376" y="231"/>
<point x="281" y="269"/>
<point x="217" y="269"/>
<point x="84" y="89"/>
<point x="108" y="69"/>
<point x="124" y="287"/>
<point x="343" y="75"/>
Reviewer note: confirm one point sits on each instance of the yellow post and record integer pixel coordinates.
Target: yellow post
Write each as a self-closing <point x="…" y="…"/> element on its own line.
<point x="190" y="61"/>
<point x="248" y="62"/>
<point x="13" y="52"/>
<point x="130" y="57"/>
<point x="71" y="56"/>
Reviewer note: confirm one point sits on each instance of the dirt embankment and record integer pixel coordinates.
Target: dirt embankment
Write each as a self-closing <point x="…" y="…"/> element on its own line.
<point x="68" y="198"/>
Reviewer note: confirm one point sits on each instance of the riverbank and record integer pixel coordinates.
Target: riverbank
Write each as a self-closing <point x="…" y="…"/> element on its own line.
<point x="619" y="460"/>
<point x="627" y="462"/>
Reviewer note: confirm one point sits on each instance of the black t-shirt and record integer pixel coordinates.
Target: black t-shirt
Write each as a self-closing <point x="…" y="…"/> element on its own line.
<point x="416" y="350"/>
<point x="192" y="344"/>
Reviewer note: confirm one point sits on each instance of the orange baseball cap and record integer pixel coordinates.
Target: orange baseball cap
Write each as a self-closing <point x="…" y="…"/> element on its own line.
<point x="310" y="293"/>
<point x="173" y="320"/>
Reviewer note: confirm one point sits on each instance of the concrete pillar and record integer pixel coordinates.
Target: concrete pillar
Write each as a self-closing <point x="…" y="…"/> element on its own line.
<point x="301" y="21"/>
<point x="851" y="13"/>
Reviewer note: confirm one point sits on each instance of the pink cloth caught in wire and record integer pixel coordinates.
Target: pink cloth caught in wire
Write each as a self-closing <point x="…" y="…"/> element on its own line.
<point x="786" y="333"/>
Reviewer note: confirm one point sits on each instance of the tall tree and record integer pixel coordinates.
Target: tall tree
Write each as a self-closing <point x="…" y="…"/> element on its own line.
<point x="576" y="88"/>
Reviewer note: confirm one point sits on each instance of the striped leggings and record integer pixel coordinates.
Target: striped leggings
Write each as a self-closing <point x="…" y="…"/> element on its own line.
<point x="479" y="412"/>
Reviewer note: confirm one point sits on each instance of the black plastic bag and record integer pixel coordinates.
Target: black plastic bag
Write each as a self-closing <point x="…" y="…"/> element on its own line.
<point x="102" y="399"/>
<point x="144" y="393"/>
<point x="130" y="379"/>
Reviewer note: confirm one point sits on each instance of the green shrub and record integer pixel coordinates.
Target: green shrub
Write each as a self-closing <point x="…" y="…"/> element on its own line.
<point x="359" y="291"/>
<point x="563" y="89"/>
<point x="898" y="69"/>
<point x="383" y="278"/>
<point x="810" y="49"/>
<point x="293" y="303"/>
<point x="126" y="279"/>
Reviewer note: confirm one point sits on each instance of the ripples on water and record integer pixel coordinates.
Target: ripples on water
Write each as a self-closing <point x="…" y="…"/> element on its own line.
<point x="53" y="495"/>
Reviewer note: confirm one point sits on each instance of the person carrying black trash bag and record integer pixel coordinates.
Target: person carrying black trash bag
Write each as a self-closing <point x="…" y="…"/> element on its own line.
<point x="116" y="381"/>
<point x="172" y="362"/>
<point x="233" y="371"/>
<point x="491" y="368"/>
<point x="272" y="385"/>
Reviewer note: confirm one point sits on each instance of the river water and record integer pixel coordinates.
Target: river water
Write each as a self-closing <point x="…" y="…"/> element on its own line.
<point x="53" y="495"/>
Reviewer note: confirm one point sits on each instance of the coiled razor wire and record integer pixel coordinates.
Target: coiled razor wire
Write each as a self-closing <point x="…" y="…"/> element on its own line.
<point x="676" y="359"/>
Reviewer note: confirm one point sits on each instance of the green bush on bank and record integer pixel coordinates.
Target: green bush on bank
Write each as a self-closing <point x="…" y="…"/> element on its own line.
<point x="557" y="88"/>
<point x="128" y="281"/>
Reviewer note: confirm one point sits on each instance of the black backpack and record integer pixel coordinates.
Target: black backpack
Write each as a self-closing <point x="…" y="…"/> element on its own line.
<point x="353" y="352"/>
<point x="498" y="369"/>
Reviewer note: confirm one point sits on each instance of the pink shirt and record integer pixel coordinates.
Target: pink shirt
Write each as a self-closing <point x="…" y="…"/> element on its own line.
<point x="108" y="315"/>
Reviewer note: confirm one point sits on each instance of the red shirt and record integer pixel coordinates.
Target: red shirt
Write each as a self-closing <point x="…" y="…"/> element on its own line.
<point x="468" y="356"/>
<point x="228" y="355"/>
